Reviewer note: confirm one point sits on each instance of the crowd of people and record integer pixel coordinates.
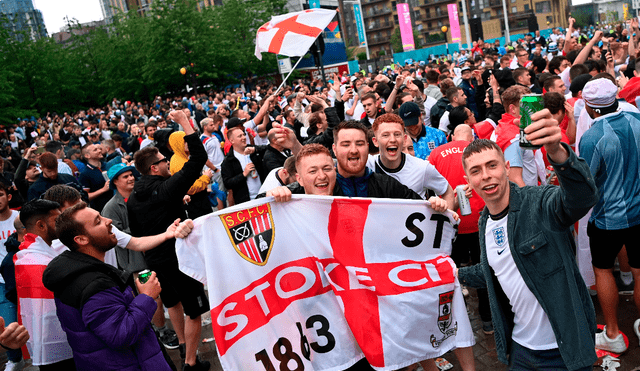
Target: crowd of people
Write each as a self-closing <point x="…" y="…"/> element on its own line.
<point x="90" y="199"/>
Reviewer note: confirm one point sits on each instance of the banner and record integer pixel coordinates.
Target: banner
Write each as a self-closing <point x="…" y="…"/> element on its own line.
<point x="318" y="283"/>
<point x="406" y="31"/>
<point x="357" y="13"/>
<point x="454" y="23"/>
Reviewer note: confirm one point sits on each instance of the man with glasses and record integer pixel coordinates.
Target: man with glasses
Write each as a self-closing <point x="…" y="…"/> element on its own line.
<point x="156" y="202"/>
<point x="521" y="60"/>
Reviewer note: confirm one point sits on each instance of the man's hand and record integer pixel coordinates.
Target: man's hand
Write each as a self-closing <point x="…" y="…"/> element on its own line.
<point x="597" y="36"/>
<point x="29" y="152"/>
<point x="318" y="100"/>
<point x="286" y="138"/>
<point x="336" y="83"/>
<point x="468" y="191"/>
<point x="493" y="82"/>
<point x="14" y="336"/>
<point x="208" y="172"/>
<point x="249" y="150"/>
<point x="348" y="94"/>
<point x="247" y="169"/>
<point x="150" y="288"/>
<point x="438" y="204"/>
<point x="182" y="120"/>
<point x="300" y="96"/>
<point x="544" y="130"/>
<point x="568" y="109"/>
<point x="622" y="81"/>
<point x="572" y="21"/>
<point x="399" y="81"/>
<point x="186" y="199"/>
<point x="280" y="194"/>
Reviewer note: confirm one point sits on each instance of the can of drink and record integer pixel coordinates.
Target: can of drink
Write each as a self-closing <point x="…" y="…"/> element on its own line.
<point x="254" y="174"/>
<point x="529" y="104"/>
<point x="105" y="176"/>
<point x="465" y="206"/>
<point x="143" y="276"/>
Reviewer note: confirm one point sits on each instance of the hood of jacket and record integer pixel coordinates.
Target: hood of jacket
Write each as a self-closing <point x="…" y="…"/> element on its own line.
<point x="146" y="185"/>
<point x="180" y="157"/>
<point x="68" y="266"/>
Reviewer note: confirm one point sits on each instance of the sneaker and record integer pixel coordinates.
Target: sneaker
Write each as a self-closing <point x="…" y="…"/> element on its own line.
<point x="622" y="288"/>
<point x="11" y="366"/>
<point x="442" y="364"/>
<point x="616" y="345"/>
<point x="183" y="351"/>
<point x="487" y="327"/>
<point x="199" y="366"/>
<point x="636" y="328"/>
<point x="169" y="339"/>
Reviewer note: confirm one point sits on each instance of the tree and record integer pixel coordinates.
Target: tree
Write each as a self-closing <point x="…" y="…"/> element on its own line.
<point x="396" y="40"/>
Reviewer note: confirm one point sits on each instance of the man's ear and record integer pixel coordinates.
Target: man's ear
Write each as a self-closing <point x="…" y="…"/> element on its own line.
<point x="375" y="142"/>
<point x="81" y="240"/>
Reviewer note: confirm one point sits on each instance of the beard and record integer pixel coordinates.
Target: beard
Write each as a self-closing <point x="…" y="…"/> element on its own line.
<point x="102" y="245"/>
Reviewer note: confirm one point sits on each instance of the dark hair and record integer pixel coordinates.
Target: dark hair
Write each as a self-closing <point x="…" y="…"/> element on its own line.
<point x="539" y="63"/>
<point x="555" y="63"/>
<point x="512" y="95"/>
<point x="519" y="72"/>
<point x="48" y="161"/>
<point x="577" y="70"/>
<point x="53" y="146"/>
<point x="478" y="146"/>
<point x="457" y="116"/>
<point x="432" y="77"/>
<point x="550" y="82"/>
<point x="349" y="124"/>
<point x="62" y="193"/>
<point x="35" y="210"/>
<point x="368" y="96"/>
<point x="554" y="102"/>
<point x="144" y="158"/>
<point x="572" y="55"/>
<point x="451" y="93"/>
<point x="290" y="165"/>
<point x="68" y="228"/>
<point x="446" y="84"/>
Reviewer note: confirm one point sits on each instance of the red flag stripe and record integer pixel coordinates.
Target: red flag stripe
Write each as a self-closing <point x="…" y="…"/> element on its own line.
<point x="252" y="242"/>
<point x="346" y="229"/>
<point x="247" y="248"/>
<point x="29" y="282"/>
<point x="290" y="25"/>
<point x="267" y="222"/>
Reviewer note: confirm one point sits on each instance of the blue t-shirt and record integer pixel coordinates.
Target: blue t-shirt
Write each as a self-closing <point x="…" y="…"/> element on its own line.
<point x="428" y="142"/>
<point x="611" y="147"/>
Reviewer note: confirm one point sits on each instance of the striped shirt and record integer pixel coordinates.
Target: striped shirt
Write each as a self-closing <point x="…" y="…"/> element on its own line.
<point x="611" y="147"/>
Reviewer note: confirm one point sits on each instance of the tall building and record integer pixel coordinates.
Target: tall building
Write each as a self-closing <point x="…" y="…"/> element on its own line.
<point x="19" y="17"/>
<point x="428" y="17"/>
<point x="110" y="8"/>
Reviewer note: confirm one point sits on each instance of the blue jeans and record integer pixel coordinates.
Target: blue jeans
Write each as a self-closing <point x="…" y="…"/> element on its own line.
<point x="537" y="360"/>
<point x="9" y="312"/>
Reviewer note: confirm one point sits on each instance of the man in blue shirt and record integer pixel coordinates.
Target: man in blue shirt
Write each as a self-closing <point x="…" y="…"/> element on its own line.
<point x="611" y="147"/>
<point x="425" y="139"/>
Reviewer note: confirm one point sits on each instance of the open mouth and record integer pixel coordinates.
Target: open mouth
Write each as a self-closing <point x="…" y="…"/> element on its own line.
<point x="392" y="151"/>
<point x="492" y="188"/>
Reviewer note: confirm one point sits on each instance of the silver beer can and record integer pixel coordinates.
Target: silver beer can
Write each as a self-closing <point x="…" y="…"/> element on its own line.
<point x="465" y="206"/>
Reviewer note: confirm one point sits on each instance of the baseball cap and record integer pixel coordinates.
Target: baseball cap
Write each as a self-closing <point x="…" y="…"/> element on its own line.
<point x="465" y="68"/>
<point x="234" y="121"/>
<point x="410" y="113"/>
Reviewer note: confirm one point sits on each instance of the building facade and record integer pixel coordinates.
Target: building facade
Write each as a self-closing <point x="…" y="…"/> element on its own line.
<point x="428" y="17"/>
<point x="22" y="19"/>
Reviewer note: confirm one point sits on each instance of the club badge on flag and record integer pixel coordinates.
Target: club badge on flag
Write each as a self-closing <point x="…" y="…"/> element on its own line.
<point x="292" y="34"/>
<point x="251" y="232"/>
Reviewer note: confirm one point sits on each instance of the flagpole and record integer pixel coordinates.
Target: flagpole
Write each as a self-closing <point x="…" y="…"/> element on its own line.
<point x="289" y="74"/>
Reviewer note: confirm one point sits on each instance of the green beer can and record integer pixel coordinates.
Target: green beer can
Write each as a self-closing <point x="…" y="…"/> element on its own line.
<point x="529" y="104"/>
<point x="144" y="275"/>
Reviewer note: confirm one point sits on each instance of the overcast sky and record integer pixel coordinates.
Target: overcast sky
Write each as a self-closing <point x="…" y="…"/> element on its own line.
<point x="55" y="11"/>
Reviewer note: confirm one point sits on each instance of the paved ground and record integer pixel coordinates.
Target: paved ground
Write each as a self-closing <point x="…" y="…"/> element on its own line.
<point x="484" y="350"/>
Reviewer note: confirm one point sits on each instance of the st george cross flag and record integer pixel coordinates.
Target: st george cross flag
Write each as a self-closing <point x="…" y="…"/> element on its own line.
<point x="292" y="34"/>
<point x="318" y="283"/>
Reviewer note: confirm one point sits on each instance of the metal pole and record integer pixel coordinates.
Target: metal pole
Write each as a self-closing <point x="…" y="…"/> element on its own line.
<point x="289" y="74"/>
<point x="507" y="37"/>
<point x="466" y="23"/>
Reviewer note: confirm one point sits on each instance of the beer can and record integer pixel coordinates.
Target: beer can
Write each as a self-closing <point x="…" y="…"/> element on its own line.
<point x="254" y="174"/>
<point x="143" y="276"/>
<point x="465" y="206"/>
<point x="529" y="104"/>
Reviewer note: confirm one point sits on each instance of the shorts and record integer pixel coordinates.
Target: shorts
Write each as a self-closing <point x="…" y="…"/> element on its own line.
<point x="605" y="245"/>
<point x="177" y="288"/>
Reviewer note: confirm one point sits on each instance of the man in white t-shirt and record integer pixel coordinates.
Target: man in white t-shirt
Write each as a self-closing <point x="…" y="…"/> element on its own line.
<point x="280" y="176"/>
<point x="541" y="309"/>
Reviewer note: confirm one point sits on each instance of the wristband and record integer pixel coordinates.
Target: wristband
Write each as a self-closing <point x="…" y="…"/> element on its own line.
<point x="2" y="345"/>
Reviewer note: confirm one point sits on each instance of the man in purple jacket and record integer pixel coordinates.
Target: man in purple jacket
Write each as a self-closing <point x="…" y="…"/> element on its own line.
<point x="107" y="327"/>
